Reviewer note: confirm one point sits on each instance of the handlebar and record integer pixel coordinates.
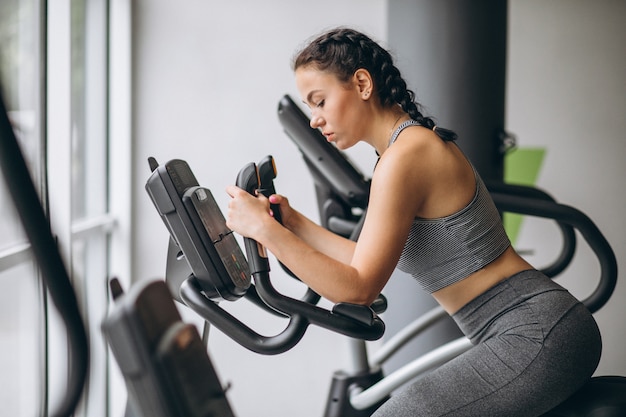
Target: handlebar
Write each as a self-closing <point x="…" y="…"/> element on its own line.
<point x="267" y="173"/>
<point x="191" y="294"/>
<point x="205" y="264"/>
<point x="349" y="319"/>
<point x="590" y="232"/>
<point x="498" y="188"/>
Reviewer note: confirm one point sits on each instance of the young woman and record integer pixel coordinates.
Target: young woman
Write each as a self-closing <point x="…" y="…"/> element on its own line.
<point x="429" y="214"/>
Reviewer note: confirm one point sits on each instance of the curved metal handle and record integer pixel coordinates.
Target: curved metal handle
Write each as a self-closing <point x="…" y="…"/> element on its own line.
<point x="588" y="229"/>
<point x="354" y="321"/>
<point x="191" y="294"/>
<point x="310" y="297"/>
<point x="364" y="324"/>
<point x="248" y="179"/>
<point x="267" y="173"/>
<point x="497" y="189"/>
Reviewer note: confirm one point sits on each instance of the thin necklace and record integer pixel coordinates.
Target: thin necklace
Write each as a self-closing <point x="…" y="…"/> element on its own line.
<point x="394" y="125"/>
<point x="391" y="132"/>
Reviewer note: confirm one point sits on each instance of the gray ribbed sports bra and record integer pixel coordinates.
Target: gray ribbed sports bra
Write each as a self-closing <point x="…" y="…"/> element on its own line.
<point x="440" y="252"/>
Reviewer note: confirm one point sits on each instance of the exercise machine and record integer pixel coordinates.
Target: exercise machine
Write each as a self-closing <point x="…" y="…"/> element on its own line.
<point x="220" y="272"/>
<point x="354" y="394"/>
<point x="341" y="188"/>
<point x="164" y="362"/>
<point x="206" y="267"/>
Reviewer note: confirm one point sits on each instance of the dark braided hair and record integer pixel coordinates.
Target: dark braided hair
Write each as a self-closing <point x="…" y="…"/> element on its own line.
<point x="343" y="51"/>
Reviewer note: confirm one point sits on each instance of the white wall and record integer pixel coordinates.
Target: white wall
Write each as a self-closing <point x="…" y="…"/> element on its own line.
<point x="566" y="91"/>
<point x="208" y="77"/>
<point x="207" y="80"/>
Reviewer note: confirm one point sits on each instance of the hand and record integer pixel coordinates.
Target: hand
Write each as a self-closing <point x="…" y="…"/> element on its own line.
<point x="247" y="214"/>
<point x="286" y="212"/>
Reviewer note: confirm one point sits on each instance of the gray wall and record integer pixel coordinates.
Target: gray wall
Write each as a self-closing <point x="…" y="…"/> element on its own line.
<point x="567" y="92"/>
<point x="208" y="77"/>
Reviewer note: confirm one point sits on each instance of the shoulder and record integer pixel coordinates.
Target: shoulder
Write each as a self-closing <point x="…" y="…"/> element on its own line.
<point x="424" y="174"/>
<point x="415" y="152"/>
<point x="405" y="174"/>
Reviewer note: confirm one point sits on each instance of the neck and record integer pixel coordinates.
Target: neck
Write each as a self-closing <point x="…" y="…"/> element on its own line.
<point x="388" y="126"/>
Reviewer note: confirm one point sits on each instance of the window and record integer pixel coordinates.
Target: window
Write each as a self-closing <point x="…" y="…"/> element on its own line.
<point x="88" y="201"/>
<point x="67" y="89"/>
<point x="22" y="299"/>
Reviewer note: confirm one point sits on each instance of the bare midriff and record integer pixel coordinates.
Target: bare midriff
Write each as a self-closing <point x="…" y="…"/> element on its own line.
<point x="455" y="296"/>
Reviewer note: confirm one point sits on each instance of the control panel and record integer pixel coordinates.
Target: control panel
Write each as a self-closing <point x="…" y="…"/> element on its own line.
<point x="198" y="227"/>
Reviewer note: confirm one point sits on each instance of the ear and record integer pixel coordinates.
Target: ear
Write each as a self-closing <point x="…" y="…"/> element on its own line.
<point x="364" y="83"/>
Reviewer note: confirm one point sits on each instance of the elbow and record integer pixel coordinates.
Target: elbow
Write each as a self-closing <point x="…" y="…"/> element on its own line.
<point x="361" y="296"/>
<point x="370" y="299"/>
<point x="354" y="288"/>
<point x="367" y="291"/>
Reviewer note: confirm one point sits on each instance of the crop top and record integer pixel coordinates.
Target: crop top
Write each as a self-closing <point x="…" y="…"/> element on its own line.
<point x="440" y="252"/>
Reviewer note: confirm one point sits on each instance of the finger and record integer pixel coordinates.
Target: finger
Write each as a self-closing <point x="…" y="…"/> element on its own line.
<point x="232" y="190"/>
<point x="261" y="197"/>
<point x="278" y="199"/>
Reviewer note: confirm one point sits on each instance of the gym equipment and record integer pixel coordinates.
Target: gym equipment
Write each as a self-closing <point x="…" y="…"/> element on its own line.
<point x="165" y="365"/>
<point x="337" y="181"/>
<point x="217" y="270"/>
<point x="199" y="246"/>
<point x="200" y="242"/>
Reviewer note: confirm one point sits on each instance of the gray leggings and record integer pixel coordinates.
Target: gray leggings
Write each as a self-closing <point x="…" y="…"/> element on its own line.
<point x="535" y="345"/>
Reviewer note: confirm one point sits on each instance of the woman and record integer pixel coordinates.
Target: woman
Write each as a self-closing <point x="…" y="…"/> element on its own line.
<point x="430" y="214"/>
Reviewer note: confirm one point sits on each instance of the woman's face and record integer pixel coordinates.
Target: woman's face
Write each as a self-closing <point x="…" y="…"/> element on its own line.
<point x="335" y="106"/>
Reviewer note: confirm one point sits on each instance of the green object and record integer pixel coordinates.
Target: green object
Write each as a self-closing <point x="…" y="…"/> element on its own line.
<point x="521" y="167"/>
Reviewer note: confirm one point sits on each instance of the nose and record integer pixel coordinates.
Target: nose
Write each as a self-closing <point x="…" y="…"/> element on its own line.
<point x="316" y="121"/>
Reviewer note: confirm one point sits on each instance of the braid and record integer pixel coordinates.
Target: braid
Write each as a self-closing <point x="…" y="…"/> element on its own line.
<point x="343" y="51"/>
<point x="393" y="90"/>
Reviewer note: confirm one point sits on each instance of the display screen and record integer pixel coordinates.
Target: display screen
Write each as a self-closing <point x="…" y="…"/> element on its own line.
<point x="221" y="237"/>
<point x="198" y="228"/>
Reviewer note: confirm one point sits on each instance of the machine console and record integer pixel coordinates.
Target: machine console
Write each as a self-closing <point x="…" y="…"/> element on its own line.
<point x="198" y="227"/>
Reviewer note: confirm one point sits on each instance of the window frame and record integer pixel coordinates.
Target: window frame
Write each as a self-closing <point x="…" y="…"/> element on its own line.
<point x="111" y="228"/>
